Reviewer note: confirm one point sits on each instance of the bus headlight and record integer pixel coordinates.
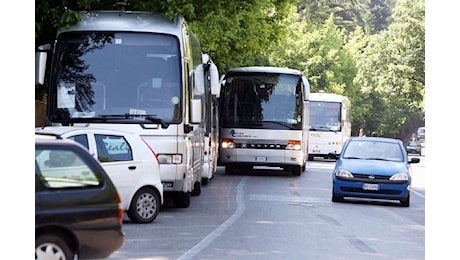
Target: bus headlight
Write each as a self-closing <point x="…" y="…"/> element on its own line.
<point x="294" y="145"/>
<point x="227" y="143"/>
<point x="170" y="158"/>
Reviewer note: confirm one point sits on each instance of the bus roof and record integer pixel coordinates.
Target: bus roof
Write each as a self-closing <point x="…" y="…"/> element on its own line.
<point x="329" y="97"/>
<point x="264" y="69"/>
<point x="127" y="21"/>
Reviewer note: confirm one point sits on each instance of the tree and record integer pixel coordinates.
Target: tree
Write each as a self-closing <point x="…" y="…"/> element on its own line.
<point x="234" y="33"/>
<point x="392" y="71"/>
<point x="351" y="47"/>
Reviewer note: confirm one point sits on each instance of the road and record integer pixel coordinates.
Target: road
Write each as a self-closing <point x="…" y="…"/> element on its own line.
<point x="273" y="215"/>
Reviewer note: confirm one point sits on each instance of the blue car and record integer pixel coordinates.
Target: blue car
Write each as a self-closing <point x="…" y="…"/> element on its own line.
<point x="373" y="168"/>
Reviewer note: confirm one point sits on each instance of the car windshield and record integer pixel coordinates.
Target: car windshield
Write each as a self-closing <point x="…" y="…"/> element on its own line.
<point x="373" y="150"/>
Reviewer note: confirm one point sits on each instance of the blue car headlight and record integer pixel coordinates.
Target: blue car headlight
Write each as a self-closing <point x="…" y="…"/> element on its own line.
<point x="343" y="173"/>
<point x="400" y="177"/>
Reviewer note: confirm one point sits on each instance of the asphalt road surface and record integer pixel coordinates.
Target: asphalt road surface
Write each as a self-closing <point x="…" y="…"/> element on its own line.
<point x="270" y="214"/>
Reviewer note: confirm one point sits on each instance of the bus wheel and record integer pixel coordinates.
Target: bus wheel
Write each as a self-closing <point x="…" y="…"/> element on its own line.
<point x="196" y="189"/>
<point x="182" y="200"/>
<point x="296" y="170"/>
<point x="229" y="170"/>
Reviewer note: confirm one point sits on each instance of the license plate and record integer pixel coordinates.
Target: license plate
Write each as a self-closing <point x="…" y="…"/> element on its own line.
<point x="316" y="151"/>
<point x="370" y="186"/>
<point x="261" y="159"/>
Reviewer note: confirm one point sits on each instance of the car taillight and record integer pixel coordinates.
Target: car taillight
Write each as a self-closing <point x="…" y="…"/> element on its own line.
<point x="120" y="209"/>
<point x="151" y="149"/>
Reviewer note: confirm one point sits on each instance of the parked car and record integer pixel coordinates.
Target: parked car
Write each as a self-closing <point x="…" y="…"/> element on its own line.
<point x="129" y="161"/>
<point x="414" y="147"/>
<point x="373" y="168"/>
<point x="78" y="212"/>
<point x="421" y="133"/>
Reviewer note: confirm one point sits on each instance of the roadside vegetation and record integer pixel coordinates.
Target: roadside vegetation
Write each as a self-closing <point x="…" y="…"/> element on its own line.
<point x="373" y="51"/>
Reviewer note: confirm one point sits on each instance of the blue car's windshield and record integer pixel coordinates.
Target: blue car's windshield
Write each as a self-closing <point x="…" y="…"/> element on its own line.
<point x="373" y="150"/>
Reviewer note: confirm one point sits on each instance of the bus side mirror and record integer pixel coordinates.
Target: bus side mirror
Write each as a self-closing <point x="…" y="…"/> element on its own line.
<point x="215" y="84"/>
<point x="199" y="80"/>
<point x="195" y="111"/>
<point x="306" y="88"/>
<point x="40" y="63"/>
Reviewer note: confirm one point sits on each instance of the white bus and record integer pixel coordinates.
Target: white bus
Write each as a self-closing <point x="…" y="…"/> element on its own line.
<point x="264" y="119"/>
<point x="330" y="124"/>
<point x="139" y="72"/>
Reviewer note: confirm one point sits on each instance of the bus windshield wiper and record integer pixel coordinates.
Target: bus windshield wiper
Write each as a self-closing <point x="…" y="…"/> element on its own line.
<point x="155" y="119"/>
<point x="105" y="118"/>
<point x="287" y="125"/>
<point x="315" y="128"/>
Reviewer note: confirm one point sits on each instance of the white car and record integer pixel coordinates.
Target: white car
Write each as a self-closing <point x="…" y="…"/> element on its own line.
<point x="130" y="162"/>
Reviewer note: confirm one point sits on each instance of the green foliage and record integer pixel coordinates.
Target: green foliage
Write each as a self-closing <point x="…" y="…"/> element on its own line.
<point x="392" y="69"/>
<point x="350" y="47"/>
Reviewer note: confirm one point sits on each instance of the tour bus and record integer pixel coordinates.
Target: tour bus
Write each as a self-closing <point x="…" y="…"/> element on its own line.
<point x="139" y="72"/>
<point x="330" y="124"/>
<point x="211" y="122"/>
<point x="264" y="116"/>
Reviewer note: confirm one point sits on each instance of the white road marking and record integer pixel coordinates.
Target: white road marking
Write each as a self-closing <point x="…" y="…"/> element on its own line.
<point x="240" y="208"/>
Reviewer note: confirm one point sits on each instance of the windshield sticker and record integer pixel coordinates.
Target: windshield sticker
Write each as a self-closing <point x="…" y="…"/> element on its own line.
<point x="156" y="82"/>
<point x="175" y="100"/>
<point x="66" y="95"/>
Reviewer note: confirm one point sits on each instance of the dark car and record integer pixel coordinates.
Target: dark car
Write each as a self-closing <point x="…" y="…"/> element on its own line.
<point x="373" y="168"/>
<point x="78" y="212"/>
<point x="414" y="147"/>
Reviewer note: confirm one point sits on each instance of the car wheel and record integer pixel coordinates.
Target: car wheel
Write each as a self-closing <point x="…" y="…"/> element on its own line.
<point x="196" y="188"/>
<point x="204" y="181"/>
<point x="182" y="200"/>
<point x="335" y="197"/>
<point x="405" y="202"/>
<point x="52" y="247"/>
<point x="145" y="206"/>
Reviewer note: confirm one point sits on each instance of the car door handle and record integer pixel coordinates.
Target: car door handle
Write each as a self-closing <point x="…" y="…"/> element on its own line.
<point x="132" y="167"/>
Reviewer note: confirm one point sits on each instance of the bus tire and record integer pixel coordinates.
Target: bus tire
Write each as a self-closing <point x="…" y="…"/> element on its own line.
<point x="182" y="200"/>
<point x="196" y="189"/>
<point x="296" y="170"/>
<point x="229" y="170"/>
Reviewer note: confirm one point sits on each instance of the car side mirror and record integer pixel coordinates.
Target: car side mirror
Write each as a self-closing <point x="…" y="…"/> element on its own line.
<point x="414" y="160"/>
<point x="333" y="155"/>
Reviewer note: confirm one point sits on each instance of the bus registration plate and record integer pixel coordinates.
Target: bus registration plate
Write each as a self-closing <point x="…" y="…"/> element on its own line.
<point x="370" y="186"/>
<point x="261" y="158"/>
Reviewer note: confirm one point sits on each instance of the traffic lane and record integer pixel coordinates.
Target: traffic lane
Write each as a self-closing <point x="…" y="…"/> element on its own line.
<point x="262" y="215"/>
<point x="177" y="230"/>
<point x="296" y="219"/>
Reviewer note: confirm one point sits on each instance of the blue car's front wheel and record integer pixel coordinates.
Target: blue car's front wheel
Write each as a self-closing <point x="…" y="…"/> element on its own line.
<point x="406" y="202"/>
<point x="335" y="197"/>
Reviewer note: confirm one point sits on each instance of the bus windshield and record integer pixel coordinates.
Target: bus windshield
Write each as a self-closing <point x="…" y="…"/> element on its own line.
<point x="112" y="74"/>
<point x="325" y="115"/>
<point x="262" y="100"/>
